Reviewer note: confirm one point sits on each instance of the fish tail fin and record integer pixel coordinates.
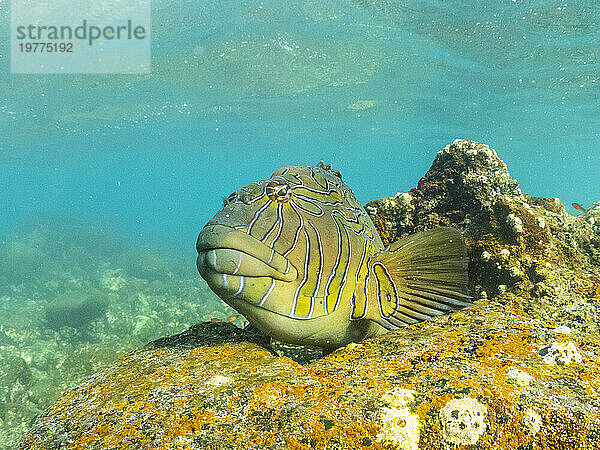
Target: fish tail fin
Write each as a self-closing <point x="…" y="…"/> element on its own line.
<point x="418" y="277"/>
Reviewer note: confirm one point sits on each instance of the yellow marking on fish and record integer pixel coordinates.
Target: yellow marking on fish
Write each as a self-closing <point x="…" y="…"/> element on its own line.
<point x="387" y="293"/>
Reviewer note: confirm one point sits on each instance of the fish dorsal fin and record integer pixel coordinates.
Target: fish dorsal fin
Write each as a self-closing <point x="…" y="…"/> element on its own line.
<point x="418" y="277"/>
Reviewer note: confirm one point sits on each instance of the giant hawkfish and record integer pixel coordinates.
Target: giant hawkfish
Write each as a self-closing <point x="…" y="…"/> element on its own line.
<point x="300" y="258"/>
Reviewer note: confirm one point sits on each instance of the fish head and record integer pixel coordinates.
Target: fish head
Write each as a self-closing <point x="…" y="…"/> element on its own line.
<point x="284" y="246"/>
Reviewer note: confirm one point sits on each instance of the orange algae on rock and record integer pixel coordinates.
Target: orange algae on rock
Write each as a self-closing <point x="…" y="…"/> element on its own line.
<point x="518" y="370"/>
<point x="218" y="395"/>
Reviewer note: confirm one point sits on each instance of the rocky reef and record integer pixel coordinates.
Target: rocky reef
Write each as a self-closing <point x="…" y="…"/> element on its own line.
<point x="518" y="370"/>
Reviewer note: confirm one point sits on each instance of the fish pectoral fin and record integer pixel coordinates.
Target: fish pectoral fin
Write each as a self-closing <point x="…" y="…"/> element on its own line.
<point x="418" y="277"/>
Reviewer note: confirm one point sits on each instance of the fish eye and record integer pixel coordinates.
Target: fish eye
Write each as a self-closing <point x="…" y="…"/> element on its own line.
<point x="280" y="193"/>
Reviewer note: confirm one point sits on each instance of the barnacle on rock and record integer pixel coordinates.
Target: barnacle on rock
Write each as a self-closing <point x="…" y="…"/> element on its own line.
<point x="463" y="421"/>
<point x="399" y="425"/>
<point x="560" y="353"/>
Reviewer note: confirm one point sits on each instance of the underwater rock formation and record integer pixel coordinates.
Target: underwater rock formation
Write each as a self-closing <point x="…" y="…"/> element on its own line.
<point x="517" y="243"/>
<point x="72" y="311"/>
<point x="519" y="369"/>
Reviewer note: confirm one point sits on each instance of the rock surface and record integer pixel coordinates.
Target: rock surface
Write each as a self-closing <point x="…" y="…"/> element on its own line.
<point x="518" y="370"/>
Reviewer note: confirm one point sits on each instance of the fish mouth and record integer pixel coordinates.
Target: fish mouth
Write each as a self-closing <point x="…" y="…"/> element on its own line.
<point x="225" y="250"/>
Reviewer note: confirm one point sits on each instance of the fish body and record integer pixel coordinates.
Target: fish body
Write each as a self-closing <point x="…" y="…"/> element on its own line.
<point x="300" y="258"/>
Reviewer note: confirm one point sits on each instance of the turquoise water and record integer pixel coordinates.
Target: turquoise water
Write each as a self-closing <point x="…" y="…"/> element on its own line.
<point x="105" y="180"/>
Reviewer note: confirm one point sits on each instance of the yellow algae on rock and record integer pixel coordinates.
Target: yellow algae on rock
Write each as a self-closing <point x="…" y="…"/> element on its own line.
<point x="219" y="380"/>
<point x="241" y="394"/>
<point x="399" y="425"/>
<point x="463" y="421"/>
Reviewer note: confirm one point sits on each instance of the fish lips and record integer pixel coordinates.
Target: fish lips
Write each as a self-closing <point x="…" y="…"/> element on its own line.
<point x="225" y="250"/>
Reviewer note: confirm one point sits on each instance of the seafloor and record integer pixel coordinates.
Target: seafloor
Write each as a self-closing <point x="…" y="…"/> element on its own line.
<point x="518" y="370"/>
<point x="74" y="299"/>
